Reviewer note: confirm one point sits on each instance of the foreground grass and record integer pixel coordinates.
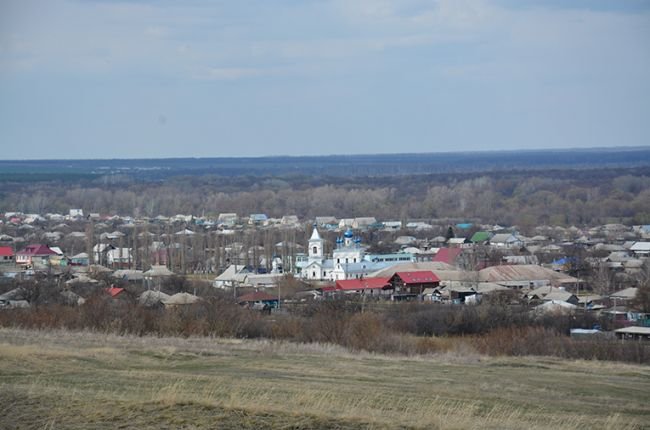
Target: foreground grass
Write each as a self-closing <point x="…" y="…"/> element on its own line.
<point x="59" y="379"/>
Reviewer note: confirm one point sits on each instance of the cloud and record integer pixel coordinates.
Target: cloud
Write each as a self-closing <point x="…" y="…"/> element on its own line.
<point x="354" y="70"/>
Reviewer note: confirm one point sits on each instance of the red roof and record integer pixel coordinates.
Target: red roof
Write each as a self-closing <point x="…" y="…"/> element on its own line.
<point x="258" y="296"/>
<point x="114" y="291"/>
<point x="362" y="284"/>
<point x="36" y="250"/>
<point x="419" y="277"/>
<point x="6" y="251"/>
<point x="447" y="255"/>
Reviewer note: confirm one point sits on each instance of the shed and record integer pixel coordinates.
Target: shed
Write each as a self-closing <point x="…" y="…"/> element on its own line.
<point x="633" y="333"/>
<point x="151" y="298"/>
<point x="180" y="299"/>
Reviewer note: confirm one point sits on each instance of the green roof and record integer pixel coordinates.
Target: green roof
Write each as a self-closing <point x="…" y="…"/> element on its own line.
<point x="480" y="236"/>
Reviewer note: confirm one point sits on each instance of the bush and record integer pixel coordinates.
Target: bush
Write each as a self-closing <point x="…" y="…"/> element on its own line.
<point x="396" y="329"/>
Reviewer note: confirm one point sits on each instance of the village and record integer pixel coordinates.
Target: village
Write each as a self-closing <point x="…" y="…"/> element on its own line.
<point x="596" y="270"/>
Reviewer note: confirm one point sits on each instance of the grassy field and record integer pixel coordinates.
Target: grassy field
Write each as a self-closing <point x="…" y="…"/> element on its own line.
<point x="66" y="380"/>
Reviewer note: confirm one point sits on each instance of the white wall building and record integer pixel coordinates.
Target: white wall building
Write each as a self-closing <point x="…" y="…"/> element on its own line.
<point x="347" y="260"/>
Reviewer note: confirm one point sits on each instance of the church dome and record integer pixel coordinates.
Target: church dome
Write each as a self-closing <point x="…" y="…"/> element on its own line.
<point x="348" y="233"/>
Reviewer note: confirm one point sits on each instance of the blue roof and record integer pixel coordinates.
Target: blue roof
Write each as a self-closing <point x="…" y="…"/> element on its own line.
<point x="564" y="260"/>
<point x="464" y="225"/>
<point x="348" y="233"/>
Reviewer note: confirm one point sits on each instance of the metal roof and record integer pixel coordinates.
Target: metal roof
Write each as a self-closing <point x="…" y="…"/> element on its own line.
<point x="362" y="284"/>
<point x="419" y="277"/>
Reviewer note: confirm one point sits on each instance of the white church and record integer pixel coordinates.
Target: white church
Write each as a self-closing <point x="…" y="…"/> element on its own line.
<point x="348" y="260"/>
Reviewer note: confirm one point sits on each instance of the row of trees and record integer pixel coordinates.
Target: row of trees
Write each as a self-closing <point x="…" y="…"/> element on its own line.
<point x="559" y="198"/>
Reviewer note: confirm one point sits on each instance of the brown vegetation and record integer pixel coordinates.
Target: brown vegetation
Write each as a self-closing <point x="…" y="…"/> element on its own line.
<point x="396" y="329"/>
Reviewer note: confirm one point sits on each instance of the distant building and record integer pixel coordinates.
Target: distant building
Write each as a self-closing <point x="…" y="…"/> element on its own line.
<point x="256" y="219"/>
<point x="34" y="254"/>
<point x="6" y="255"/>
<point x="347" y="260"/>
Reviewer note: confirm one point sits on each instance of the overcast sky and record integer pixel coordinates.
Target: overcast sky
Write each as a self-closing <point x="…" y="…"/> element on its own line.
<point x="200" y="78"/>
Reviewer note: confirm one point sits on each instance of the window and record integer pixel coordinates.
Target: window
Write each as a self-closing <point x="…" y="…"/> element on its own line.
<point x="346" y="261"/>
<point x="354" y="260"/>
<point x="314" y="250"/>
<point x="313" y="274"/>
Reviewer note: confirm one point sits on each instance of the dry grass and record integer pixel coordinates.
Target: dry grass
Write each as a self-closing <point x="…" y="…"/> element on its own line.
<point x="60" y="379"/>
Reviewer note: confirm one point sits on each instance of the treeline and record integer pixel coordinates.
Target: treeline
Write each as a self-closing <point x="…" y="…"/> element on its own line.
<point x="563" y="197"/>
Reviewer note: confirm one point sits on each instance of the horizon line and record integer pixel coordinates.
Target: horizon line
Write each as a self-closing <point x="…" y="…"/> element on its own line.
<point x="464" y="152"/>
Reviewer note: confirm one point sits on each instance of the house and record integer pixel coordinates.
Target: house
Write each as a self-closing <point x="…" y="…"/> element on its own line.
<point x="229" y="277"/>
<point x="76" y="213"/>
<point x="405" y="240"/>
<point x="114" y="291"/>
<point x="255" y="219"/>
<point x="540" y="292"/>
<point x="180" y="299"/>
<point x="371" y="286"/>
<point x="456" y="242"/>
<point x="506" y="240"/>
<point x="158" y="271"/>
<point x="180" y="218"/>
<point x="460" y="294"/>
<point x="322" y="221"/>
<point x="641" y="249"/>
<point x="111" y="236"/>
<point x="6" y="255"/>
<point x="431" y="295"/>
<point x="261" y="280"/>
<point x="392" y="225"/>
<point x="100" y="252"/>
<point x="562" y="296"/>
<point x="448" y="255"/>
<point x="526" y="276"/>
<point x="625" y="296"/>
<point x="119" y="257"/>
<point x="399" y="257"/>
<point x="480" y="237"/>
<point x="129" y="275"/>
<point x="421" y="255"/>
<point x="363" y="222"/>
<point x="258" y="299"/>
<point x="153" y="298"/>
<point x="438" y="241"/>
<point x="290" y="220"/>
<point x="413" y="283"/>
<point x="521" y="259"/>
<point x="418" y="225"/>
<point x="633" y="333"/>
<point x="345" y="223"/>
<point x="34" y="254"/>
<point x="555" y="307"/>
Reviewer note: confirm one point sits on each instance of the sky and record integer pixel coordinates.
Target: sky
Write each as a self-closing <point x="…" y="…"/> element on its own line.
<point x="210" y="78"/>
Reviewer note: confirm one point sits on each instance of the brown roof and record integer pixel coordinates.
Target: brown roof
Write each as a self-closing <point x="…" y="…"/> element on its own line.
<point x="257" y="296"/>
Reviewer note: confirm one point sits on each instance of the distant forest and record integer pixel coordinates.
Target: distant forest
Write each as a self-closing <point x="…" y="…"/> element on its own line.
<point x="526" y="197"/>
